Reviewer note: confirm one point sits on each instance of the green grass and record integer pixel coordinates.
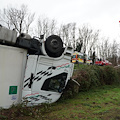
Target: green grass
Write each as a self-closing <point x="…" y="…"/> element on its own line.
<point x="98" y="98"/>
<point x="101" y="103"/>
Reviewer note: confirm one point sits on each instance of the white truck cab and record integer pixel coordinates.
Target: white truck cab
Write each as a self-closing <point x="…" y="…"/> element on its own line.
<point x="46" y="77"/>
<point x="47" y="68"/>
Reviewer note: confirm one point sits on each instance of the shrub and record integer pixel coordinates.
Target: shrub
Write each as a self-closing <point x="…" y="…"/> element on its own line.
<point x="89" y="76"/>
<point x="110" y="75"/>
<point x="70" y="90"/>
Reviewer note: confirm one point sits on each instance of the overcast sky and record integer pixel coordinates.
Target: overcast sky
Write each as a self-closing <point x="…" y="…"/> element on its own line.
<point x="99" y="14"/>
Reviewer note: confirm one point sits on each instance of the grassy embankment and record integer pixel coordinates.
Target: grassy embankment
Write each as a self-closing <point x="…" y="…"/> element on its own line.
<point x="98" y="98"/>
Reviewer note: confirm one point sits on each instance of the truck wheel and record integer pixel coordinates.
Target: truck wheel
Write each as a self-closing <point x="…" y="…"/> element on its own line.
<point x="54" y="45"/>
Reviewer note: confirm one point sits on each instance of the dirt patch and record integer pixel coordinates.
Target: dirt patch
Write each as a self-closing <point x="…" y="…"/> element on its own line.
<point x="113" y="114"/>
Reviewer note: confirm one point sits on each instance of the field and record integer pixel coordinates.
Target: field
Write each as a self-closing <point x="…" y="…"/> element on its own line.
<point x="98" y="98"/>
<point x="102" y="103"/>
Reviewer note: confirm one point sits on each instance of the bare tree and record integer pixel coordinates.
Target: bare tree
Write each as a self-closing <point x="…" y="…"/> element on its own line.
<point x="92" y="43"/>
<point x="104" y="48"/>
<point x="73" y="34"/>
<point x="87" y="39"/>
<point x="52" y="26"/>
<point x="68" y="33"/>
<point x="114" y="49"/>
<point x="29" y="21"/>
<point x="18" y="19"/>
<point x="109" y="51"/>
<point x="42" y="26"/>
<point x="46" y="26"/>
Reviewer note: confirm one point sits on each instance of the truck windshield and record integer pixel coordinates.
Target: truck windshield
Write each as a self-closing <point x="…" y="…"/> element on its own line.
<point x="74" y="56"/>
<point x="56" y="83"/>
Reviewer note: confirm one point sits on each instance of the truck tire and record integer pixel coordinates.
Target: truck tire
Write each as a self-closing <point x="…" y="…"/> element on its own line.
<point x="54" y="46"/>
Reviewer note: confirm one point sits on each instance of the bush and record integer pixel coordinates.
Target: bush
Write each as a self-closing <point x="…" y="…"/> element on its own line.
<point x="110" y="75"/>
<point x="70" y="90"/>
<point x="90" y="76"/>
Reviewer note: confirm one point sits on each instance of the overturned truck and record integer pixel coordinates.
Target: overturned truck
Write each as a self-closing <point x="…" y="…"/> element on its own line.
<point x="32" y="69"/>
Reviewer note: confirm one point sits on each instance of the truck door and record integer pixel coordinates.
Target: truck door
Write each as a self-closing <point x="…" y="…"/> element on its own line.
<point x="48" y="82"/>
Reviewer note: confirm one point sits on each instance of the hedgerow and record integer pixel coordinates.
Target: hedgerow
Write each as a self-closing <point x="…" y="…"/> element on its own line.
<point x="91" y="76"/>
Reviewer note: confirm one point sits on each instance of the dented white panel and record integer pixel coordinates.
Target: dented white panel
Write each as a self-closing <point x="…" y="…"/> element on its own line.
<point x="12" y="69"/>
